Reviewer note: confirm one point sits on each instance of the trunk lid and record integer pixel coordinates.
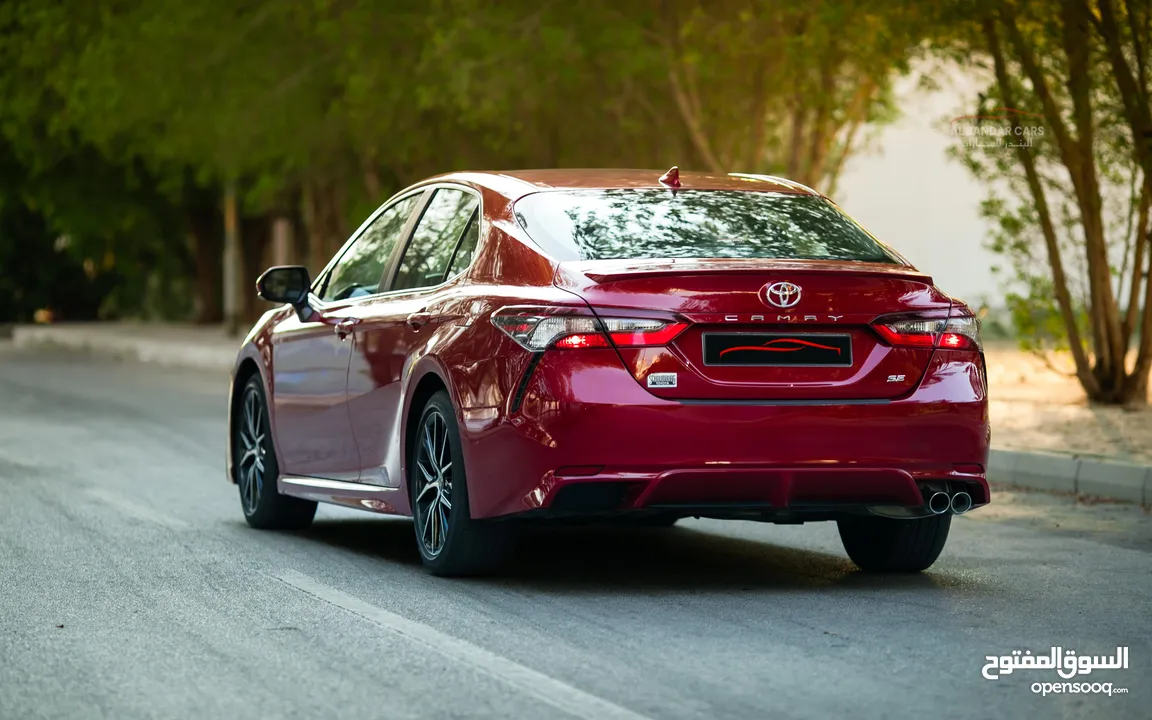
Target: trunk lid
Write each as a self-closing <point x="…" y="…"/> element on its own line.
<point x="738" y="346"/>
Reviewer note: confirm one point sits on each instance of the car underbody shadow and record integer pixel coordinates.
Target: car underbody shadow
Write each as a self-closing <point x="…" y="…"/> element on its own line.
<point x="628" y="559"/>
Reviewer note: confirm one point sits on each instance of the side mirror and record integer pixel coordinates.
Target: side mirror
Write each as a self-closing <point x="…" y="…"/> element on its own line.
<point x="285" y="284"/>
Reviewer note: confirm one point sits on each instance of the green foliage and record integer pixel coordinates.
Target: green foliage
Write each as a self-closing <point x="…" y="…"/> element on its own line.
<point x="1068" y="208"/>
<point x="1010" y="209"/>
<point x="118" y="110"/>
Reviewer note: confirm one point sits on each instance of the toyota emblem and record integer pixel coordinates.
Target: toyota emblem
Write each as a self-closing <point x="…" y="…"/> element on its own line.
<point x="781" y="294"/>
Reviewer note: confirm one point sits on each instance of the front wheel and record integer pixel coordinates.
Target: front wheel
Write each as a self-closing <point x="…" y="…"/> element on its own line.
<point x="254" y="467"/>
<point x="878" y="544"/>
<point x="451" y="543"/>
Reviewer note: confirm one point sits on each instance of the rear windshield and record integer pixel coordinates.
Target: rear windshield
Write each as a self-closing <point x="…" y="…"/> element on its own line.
<point x="651" y="223"/>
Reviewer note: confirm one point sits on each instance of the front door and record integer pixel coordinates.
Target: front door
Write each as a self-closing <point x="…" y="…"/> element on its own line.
<point x="310" y="391"/>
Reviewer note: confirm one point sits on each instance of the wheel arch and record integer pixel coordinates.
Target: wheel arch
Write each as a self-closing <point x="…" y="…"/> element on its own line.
<point x="430" y="383"/>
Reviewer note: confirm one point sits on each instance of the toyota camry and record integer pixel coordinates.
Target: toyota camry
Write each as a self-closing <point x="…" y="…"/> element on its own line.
<point x="628" y="346"/>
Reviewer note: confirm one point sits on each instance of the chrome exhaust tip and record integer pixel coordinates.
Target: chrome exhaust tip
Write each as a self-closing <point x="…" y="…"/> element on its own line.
<point x="961" y="503"/>
<point x="939" y="503"/>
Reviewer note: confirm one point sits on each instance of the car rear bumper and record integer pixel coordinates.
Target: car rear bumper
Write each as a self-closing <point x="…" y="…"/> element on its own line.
<point x="588" y="439"/>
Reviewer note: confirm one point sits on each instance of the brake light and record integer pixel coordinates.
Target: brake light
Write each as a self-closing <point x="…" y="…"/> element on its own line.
<point x="641" y="332"/>
<point x="540" y="328"/>
<point x="959" y="332"/>
<point x="911" y="333"/>
<point x="582" y="340"/>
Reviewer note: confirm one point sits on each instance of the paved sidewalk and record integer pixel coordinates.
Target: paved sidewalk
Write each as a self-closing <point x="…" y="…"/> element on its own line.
<point x="188" y="346"/>
<point x="1033" y="413"/>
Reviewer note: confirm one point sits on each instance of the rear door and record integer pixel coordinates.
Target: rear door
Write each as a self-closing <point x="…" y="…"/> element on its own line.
<point x="394" y="326"/>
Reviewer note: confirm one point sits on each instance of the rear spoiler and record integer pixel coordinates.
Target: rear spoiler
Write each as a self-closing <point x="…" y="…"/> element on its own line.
<point x="606" y="271"/>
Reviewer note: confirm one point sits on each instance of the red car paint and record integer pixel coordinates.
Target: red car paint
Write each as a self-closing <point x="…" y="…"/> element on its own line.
<point x="342" y="386"/>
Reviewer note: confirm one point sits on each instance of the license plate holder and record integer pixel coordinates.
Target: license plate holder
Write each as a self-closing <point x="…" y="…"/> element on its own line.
<point x="775" y="349"/>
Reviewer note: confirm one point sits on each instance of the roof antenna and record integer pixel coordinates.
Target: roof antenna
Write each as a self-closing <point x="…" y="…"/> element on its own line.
<point x="671" y="178"/>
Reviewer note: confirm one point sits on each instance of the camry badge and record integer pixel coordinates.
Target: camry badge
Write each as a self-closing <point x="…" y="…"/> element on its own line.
<point x="781" y="294"/>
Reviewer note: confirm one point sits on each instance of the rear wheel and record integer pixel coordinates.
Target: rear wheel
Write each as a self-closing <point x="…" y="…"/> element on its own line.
<point x="451" y="542"/>
<point x="255" y="470"/>
<point x="878" y="544"/>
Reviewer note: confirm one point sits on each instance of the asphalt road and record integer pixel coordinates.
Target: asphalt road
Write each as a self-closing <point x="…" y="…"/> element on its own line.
<point x="130" y="587"/>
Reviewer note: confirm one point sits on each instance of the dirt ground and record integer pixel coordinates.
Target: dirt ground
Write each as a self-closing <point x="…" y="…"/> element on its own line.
<point x="1034" y="407"/>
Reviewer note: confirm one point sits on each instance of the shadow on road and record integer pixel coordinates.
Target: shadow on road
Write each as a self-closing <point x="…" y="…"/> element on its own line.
<point x="630" y="559"/>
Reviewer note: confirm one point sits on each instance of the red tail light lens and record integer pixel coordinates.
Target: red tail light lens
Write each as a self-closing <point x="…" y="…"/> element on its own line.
<point x="642" y="332"/>
<point x="540" y="328"/>
<point x="962" y="333"/>
<point x="959" y="332"/>
<point x="911" y="333"/>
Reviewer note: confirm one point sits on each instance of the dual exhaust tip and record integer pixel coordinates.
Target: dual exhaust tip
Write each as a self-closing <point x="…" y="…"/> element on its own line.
<point x="957" y="504"/>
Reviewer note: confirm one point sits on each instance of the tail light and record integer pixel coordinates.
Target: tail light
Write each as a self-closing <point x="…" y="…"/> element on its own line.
<point x="540" y="328"/>
<point x="960" y="331"/>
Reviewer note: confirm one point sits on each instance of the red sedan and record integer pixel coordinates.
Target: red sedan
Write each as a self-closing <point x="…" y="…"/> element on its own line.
<point x="634" y="346"/>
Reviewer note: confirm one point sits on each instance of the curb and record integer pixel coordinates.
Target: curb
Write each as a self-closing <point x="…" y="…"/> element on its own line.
<point x="209" y="357"/>
<point x="1072" y="474"/>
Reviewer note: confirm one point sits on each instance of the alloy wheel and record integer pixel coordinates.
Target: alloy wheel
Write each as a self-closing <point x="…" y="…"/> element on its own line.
<point x="250" y="466"/>
<point x="434" y="495"/>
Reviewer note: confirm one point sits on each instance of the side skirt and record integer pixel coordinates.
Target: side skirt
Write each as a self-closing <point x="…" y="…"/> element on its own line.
<point x="374" y="498"/>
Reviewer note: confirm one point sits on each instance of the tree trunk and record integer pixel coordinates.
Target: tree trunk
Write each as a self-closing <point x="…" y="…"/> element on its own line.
<point x="1059" y="279"/>
<point x="255" y="236"/>
<point x="1134" y="90"/>
<point x="1135" y="393"/>
<point x="1137" y="277"/>
<point x="372" y="184"/>
<point x="1110" y="364"/>
<point x="796" y="126"/>
<point x="680" y="85"/>
<point x="324" y="215"/>
<point x="281" y="240"/>
<point x="205" y="232"/>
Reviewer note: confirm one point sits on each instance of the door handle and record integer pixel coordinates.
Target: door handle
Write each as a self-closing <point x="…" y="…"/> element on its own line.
<point x="418" y="320"/>
<point x="345" y="326"/>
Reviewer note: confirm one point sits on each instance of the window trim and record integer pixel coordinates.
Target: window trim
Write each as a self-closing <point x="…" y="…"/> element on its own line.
<point x="459" y="242"/>
<point x="394" y="263"/>
<point x="320" y="283"/>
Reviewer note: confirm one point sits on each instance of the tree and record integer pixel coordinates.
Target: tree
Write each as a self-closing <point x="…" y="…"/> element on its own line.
<point x="110" y="211"/>
<point x="1071" y="91"/>
<point x="316" y="111"/>
<point x="782" y="87"/>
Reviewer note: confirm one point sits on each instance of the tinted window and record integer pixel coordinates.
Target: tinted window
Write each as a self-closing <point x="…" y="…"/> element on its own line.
<point x="467" y="247"/>
<point x="630" y="224"/>
<point x="426" y="258"/>
<point x="360" y="269"/>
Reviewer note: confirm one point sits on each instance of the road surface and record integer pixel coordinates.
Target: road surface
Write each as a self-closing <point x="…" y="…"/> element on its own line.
<point x="130" y="587"/>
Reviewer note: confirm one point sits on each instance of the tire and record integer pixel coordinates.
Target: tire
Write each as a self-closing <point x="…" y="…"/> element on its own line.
<point x="451" y="543"/>
<point x="254" y="467"/>
<point x="878" y="544"/>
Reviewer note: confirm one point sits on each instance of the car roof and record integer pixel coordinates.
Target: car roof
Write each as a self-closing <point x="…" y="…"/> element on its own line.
<point x="514" y="184"/>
